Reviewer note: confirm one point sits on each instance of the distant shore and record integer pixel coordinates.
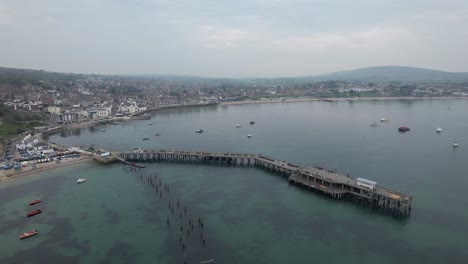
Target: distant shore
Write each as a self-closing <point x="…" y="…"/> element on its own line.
<point x="332" y="99"/>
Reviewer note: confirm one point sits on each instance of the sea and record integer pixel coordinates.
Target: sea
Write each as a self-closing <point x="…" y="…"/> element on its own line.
<point x="249" y="215"/>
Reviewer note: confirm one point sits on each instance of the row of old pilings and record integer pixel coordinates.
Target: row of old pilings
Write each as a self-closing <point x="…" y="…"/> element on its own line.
<point x="187" y="227"/>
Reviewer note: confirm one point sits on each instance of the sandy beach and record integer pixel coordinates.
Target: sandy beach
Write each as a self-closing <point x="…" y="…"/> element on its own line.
<point x="12" y="174"/>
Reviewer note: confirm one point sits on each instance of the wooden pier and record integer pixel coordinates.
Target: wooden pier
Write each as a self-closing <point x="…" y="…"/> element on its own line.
<point x="329" y="182"/>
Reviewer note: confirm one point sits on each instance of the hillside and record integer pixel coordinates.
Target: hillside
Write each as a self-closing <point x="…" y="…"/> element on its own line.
<point x="395" y="73"/>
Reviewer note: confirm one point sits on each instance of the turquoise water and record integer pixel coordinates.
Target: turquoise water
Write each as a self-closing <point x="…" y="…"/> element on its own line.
<point x="250" y="215"/>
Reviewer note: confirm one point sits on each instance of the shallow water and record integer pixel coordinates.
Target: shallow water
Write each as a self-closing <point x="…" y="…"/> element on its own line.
<point x="252" y="216"/>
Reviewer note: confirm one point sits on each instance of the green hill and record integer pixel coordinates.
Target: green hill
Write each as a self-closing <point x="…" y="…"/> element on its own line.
<point x="395" y="73"/>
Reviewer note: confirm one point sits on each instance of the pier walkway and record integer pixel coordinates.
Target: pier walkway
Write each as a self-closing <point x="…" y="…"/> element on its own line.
<point x="329" y="182"/>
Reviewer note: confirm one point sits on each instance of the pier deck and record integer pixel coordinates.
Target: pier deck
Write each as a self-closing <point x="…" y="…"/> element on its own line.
<point x="330" y="182"/>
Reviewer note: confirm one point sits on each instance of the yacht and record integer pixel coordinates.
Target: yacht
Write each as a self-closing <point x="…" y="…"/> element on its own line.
<point x="199" y="130"/>
<point x="383" y="120"/>
<point x="455" y="144"/>
<point x="438" y="130"/>
<point x="237" y="125"/>
<point x="80" y="180"/>
<point x="249" y="136"/>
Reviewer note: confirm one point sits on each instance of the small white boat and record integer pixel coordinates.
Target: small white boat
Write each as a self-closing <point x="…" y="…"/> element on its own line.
<point x="80" y="180"/>
<point x="102" y="130"/>
<point x="455" y="144"/>
<point x="237" y="125"/>
<point x="383" y="120"/>
<point x="438" y="130"/>
<point x="374" y="124"/>
<point x="249" y="136"/>
<point x="199" y="130"/>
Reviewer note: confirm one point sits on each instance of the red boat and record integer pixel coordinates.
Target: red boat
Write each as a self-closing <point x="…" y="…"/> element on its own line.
<point x="35" y="212"/>
<point x="403" y="129"/>
<point x="28" y="234"/>
<point x="33" y="202"/>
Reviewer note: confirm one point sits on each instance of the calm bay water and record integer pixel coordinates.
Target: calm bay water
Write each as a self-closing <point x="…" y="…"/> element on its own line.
<point x="252" y="216"/>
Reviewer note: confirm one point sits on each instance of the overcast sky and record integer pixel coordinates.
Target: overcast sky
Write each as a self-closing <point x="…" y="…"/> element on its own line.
<point x="232" y="38"/>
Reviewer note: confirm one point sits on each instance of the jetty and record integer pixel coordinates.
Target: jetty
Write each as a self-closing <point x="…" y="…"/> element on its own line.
<point x="320" y="179"/>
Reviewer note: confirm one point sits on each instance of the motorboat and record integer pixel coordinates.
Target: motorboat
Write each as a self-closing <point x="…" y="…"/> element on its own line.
<point x="28" y="234"/>
<point x="33" y="202"/>
<point x="102" y="130"/>
<point x="455" y="144"/>
<point x="252" y="122"/>
<point x="374" y="124"/>
<point x="403" y="129"/>
<point x="33" y="213"/>
<point x="438" y="130"/>
<point x="199" y="130"/>
<point x="383" y="120"/>
<point x="249" y="136"/>
<point x="81" y="180"/>
<point x="145" y="138"/>
<point x="238" y="125"/>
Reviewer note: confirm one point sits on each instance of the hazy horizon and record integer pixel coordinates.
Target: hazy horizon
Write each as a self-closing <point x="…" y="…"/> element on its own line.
<point x="225" y="39"/>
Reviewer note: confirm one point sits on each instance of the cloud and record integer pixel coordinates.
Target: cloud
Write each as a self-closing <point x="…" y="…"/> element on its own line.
<point x="374" y="38"/>
<point x="218" y="37"/>
<point x="6" y="16"/>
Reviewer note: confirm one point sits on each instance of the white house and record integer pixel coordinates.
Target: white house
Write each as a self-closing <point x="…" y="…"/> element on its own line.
<point x="53" y="109"/>
<point x="129" y="107"/>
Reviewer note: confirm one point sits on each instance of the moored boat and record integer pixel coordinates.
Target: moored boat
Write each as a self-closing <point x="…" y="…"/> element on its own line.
<point x="374" y="124"/>
<point x="33" y="213"/>
<point x="249" y="136"/>
<point x="252" y="122"/>
<point x="383" y="120"/>
<point x="455" y="144"/>
<point x="33" y="202"/>
<point x="403" y="129"/>
<point x="238" y="125"/>
<point x="199" y="130"/>
<point x="438" y="130"/>
<point x="145" y="138"/>
<point x="28" y="234"/>
<point x="81" y="180"/>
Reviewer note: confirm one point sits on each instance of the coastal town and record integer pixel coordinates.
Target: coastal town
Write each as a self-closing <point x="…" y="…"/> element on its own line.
<point x="64" y="99"/>
<point x="36" y="102"/>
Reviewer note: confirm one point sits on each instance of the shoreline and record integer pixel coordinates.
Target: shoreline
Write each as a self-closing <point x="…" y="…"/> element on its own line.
<point x="333" y="99"/>
<point x="9" y="175"/>
<point x="285" y="100"/>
